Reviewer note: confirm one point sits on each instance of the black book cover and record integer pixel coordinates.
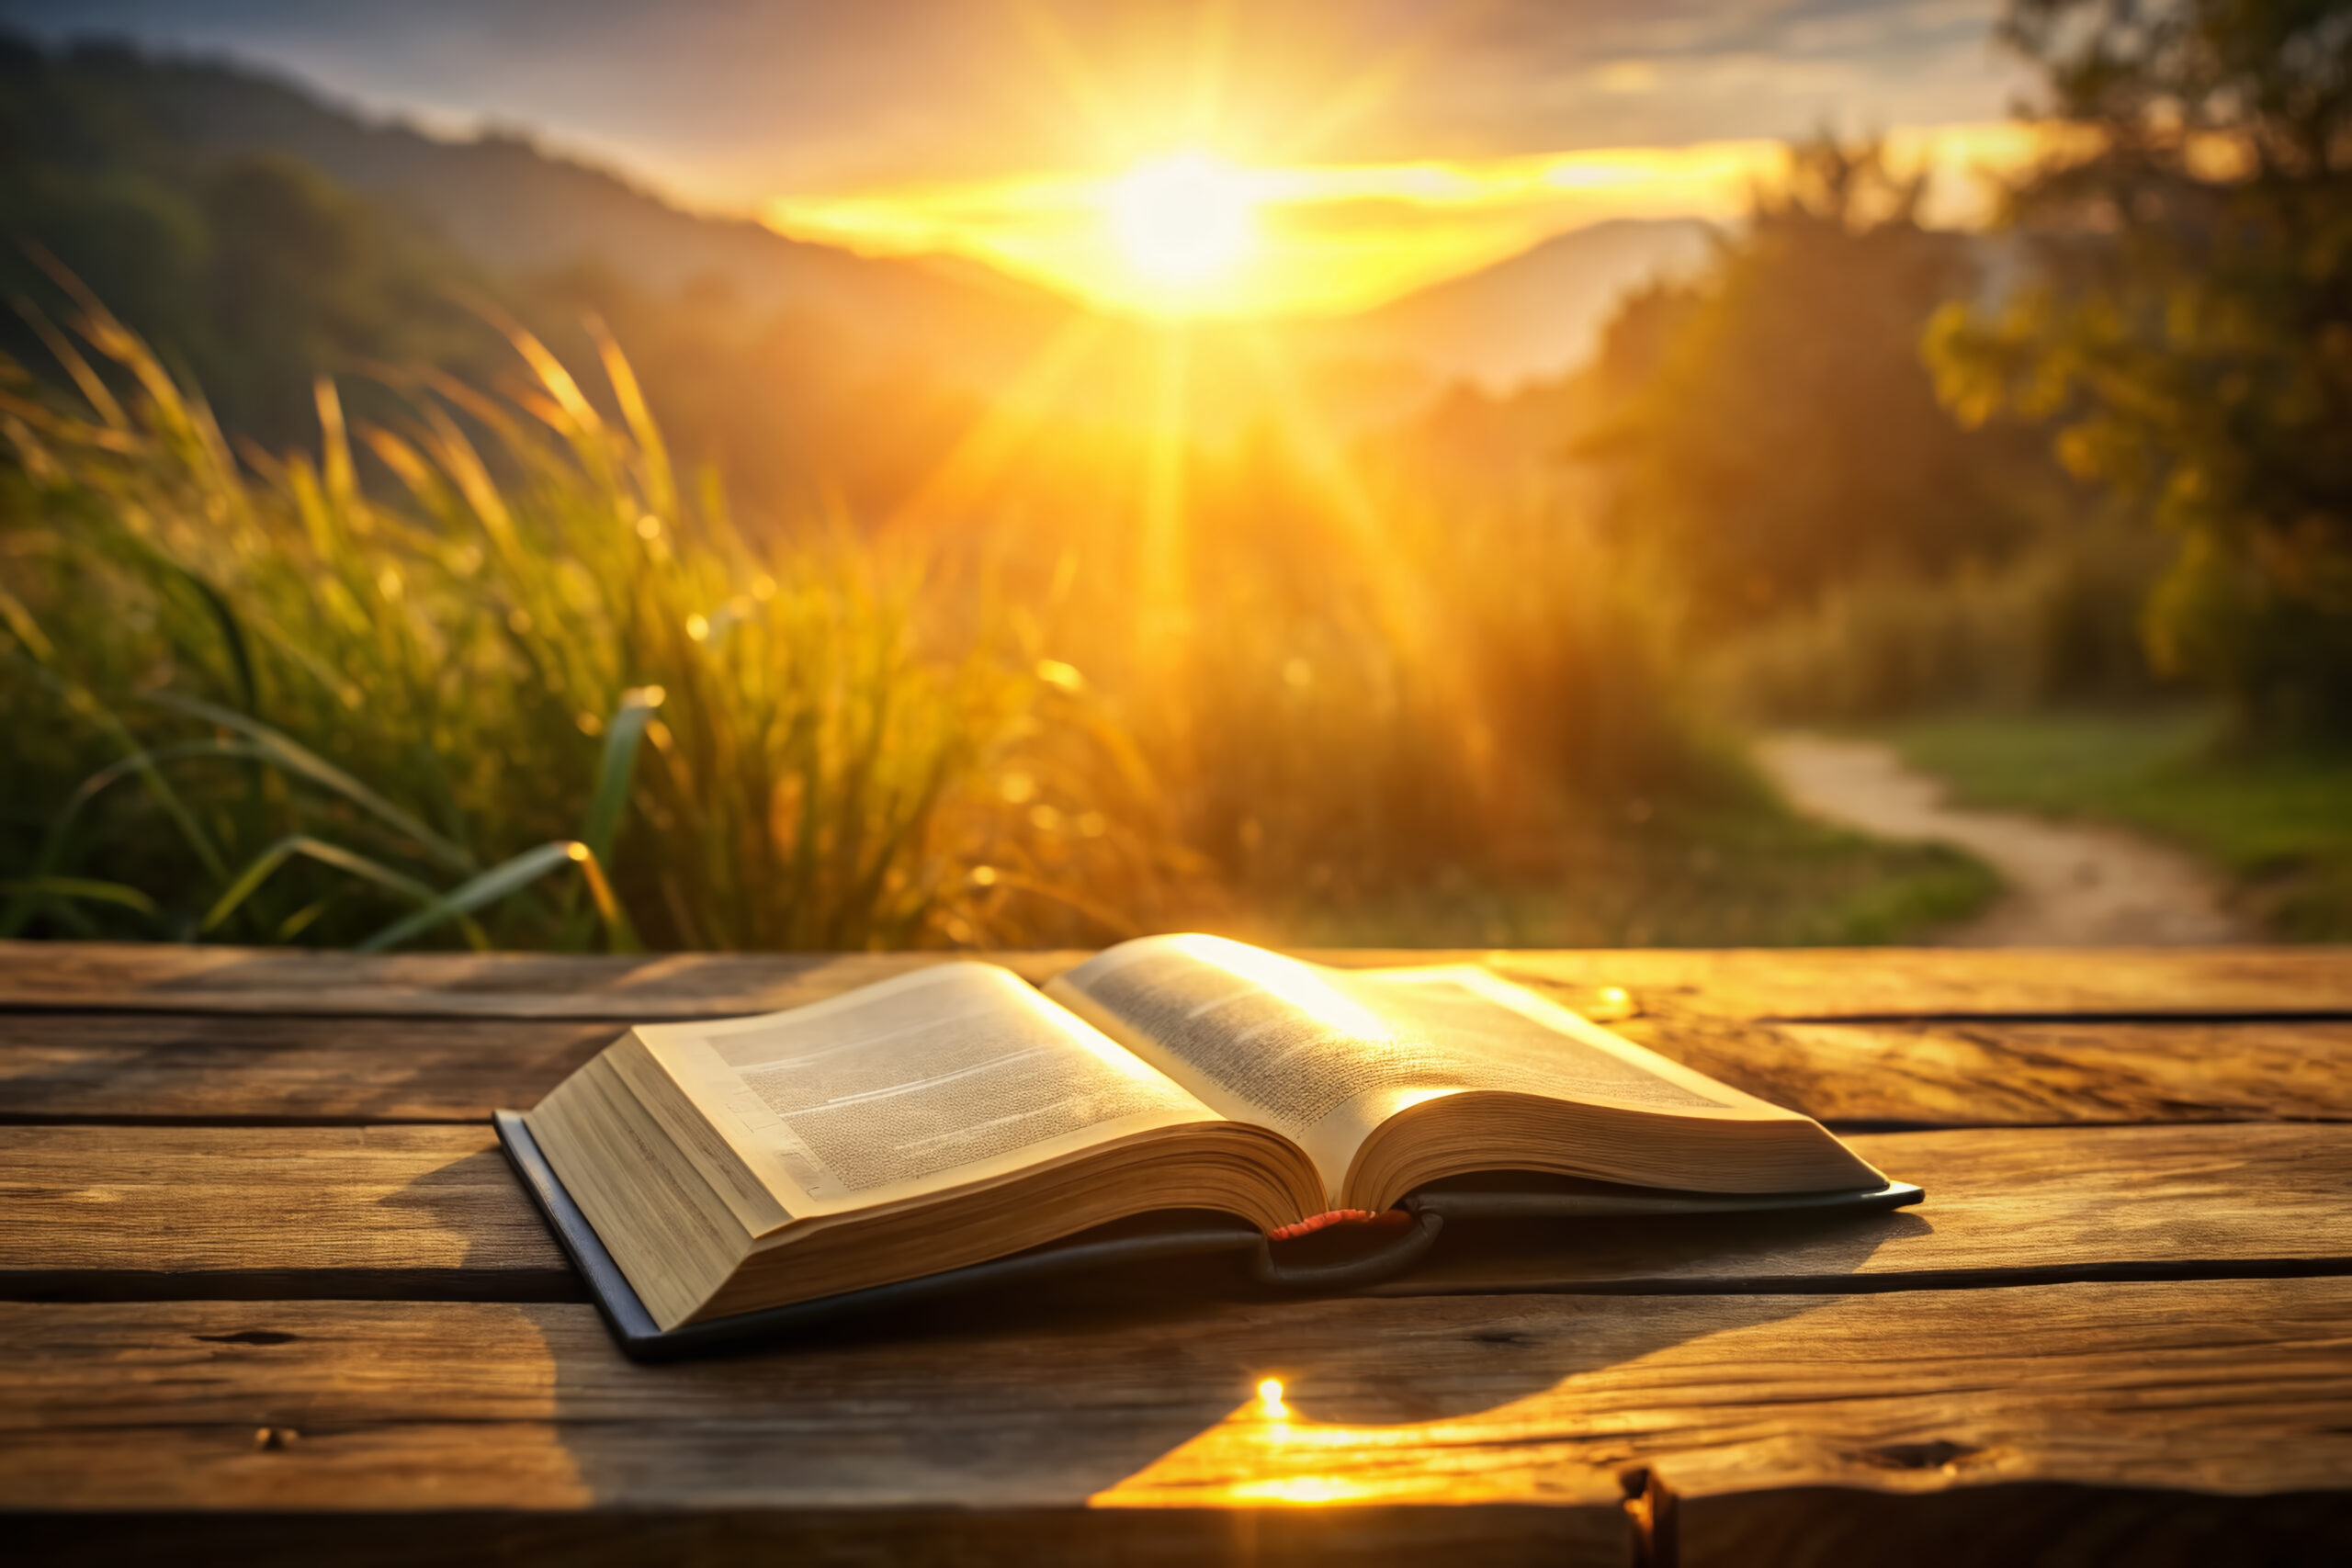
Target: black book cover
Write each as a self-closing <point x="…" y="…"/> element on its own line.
<point x="1253" y="1257"/>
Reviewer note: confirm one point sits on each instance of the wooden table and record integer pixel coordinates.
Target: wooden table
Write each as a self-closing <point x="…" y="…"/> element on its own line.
<point x="270" y="1290"/>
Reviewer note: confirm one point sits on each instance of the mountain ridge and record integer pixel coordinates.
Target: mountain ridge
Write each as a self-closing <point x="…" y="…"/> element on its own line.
<point x="1534" y="314"/>
<point x="515" y="205"/>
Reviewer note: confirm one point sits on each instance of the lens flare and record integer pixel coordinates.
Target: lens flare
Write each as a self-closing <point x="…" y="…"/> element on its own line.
<point x="1183" y="221"/>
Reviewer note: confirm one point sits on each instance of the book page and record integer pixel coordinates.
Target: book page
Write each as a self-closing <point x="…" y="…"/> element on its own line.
<point x="1324" y="1055"/>
<point x="1515" y="1040"/>
<point x="956" y="1073"/>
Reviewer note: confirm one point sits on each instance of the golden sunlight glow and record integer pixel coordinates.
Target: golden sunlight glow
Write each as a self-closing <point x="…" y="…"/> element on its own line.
<point x="1295" y="983"/>
<point x="1193" y="234"/>
<point x="1183" y="221"/>
<point x="1567" y="1439"/>
<point x="1255" y="1457"/>
<point x="1270" y="1399"/>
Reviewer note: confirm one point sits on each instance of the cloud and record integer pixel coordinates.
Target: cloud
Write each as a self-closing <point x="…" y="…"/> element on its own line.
<point x="1342" y="236"/>
<point x="735" y="102"/>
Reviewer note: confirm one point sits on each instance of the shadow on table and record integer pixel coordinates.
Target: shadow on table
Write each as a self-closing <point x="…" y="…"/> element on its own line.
<point x="1148" y="1388"/>
<point x="1761" y="1253"/>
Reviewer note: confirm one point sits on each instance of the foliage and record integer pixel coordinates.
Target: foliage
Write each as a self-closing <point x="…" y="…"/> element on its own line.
<point x="198" y="203"/>
<point x="1778" y="432"/>
<point x="569" y="705"/>
<point x="2055" y="623"/>
<point x="2279" y="821"/>
<point x="1368" y="687"/>
<point x="296" y="711"/>
<point x="1741" y="875"/>
<point x="2193" y="333"/>
<point x="254" y="270"/>
<point x="1316" y="683"/>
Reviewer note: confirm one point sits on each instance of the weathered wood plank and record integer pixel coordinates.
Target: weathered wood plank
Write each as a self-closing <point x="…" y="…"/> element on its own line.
<point x="173" y="977"/>
<point x="1864" y="982"/>
<point x="2048" y="1525"/>
<point x="432" y="1213"/>
<point x="2230" y="1386"/>
<point x="1820" y="983"/>
<point x="2010" y="1205"/>
<point x="132" y="1066"/>
<point x="418" y="1213"/>
<point x="1500" y="1535"/>
<point x="2007" y="1074"/>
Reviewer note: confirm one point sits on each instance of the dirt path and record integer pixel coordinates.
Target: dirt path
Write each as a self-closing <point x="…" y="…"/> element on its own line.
<point x="2069" y="885"/>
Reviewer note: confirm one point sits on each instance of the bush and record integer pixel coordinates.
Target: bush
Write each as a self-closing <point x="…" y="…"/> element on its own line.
<point x="2056" y="623"/>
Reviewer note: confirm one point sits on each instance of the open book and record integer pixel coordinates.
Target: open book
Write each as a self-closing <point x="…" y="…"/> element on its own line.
<point x="955" y="1115"/>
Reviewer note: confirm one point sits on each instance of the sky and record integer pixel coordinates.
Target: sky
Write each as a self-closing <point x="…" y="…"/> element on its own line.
<point x="1368" y="145"/>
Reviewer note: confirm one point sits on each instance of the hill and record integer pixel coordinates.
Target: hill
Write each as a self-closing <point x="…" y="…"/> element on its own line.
<point x="514" y="208"/>
<point x="1533" y="315"/>
<point x="260" y="234"/>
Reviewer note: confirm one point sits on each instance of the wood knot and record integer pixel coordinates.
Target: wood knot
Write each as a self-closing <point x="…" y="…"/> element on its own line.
<point x="275" y="1440"/>
<point x="1652" y="1510"/>
<point x="1934" y="1455"/>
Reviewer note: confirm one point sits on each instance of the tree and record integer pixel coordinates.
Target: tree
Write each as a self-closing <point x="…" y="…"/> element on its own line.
<point x="2190" y="334"/>
<point x="253" y="272"/>
<point x="1776" y="429"/>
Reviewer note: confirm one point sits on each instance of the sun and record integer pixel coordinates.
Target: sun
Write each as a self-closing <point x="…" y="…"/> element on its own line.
<point x="1184" y="222"/>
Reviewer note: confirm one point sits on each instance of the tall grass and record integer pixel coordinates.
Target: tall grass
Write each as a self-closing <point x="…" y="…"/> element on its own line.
<point x="486" y="670"/>
<point x="547" y="694"/>
<point x="1397" y="691"/>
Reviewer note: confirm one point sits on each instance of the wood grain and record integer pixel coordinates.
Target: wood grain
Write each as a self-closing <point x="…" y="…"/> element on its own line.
<point x="417" y="1213"/>
<point x="1864" y="982"/>
<point x="1497" y="1536"/>
<point x="174" y="977"/>
<point x="2008" y="1074"/>
<point x="2232" y="1386"/>
<point x="2097" y="1341"/>
<point x="1817" y="984"/>
<point x="131" y="1067"/>
<point x="2047" y="1525"/>
<point x="433" y="1212"/>
<point x="2009" y="1206"/>
<point x="135" y="1067"/>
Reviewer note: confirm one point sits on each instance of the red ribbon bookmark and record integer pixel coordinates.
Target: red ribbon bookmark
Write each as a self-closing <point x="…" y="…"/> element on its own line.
<point x="1386" y="1218"/>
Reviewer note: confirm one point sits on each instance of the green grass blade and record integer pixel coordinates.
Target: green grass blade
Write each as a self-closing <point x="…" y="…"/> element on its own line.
<point x="252" y="877"/>
<point x="142" y="763"/>
<point x="297" y="757"/>
<point x="336" y="855"/>
<point x="617" y="769"/>
<point x="619" y="934"/>
<point x="507" y="878"/>
<point x="26" y="631"/>
<point x="232" y="633"/>
<point x="300" y="921"/>
<point x="40" y="887"/>
<point x="93" y="386"/>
